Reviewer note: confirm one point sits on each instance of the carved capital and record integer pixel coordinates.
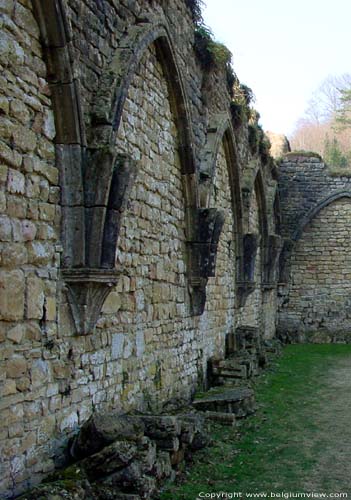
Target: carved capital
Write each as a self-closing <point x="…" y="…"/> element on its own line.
<point x="272" y="254"/>
<point x="87" y="291"/>
<point x="206" y="227"/>
<point x="243" y="290"/>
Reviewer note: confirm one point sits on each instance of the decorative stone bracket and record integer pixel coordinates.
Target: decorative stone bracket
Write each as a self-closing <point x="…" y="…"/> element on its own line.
<point x="107" y="183"/>
<point x="87" y="291"/>
<point x="284" y="261"/>
<point x="245" y="283"/>
<point x="206" y="224"/>
<point x="272" y="254"/>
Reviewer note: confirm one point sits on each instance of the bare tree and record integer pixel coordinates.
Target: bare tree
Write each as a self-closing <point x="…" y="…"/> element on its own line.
<point x="321" y="125"/>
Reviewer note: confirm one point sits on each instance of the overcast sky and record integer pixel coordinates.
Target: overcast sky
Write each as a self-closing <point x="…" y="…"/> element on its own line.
<point x="283" y="50"/>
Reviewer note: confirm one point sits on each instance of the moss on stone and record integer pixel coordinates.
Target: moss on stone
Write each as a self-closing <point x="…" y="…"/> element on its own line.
<point x="306" y="154"/>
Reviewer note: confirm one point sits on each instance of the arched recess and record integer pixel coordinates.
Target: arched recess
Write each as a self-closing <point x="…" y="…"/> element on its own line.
<point x="317" y="208"/>
<point x="317" y="301"/>
<point x="88" y="285"/>
<point x="56" y="39"/>
<point x="290" y="244"/>
<point x="270" y="243"/>
<point x="220" y="133"/>
<point x="109" y="176"/>
<point x="219" y="184"/>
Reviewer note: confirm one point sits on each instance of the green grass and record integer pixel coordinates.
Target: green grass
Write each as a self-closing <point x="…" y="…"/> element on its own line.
<point x="275" y="449"/>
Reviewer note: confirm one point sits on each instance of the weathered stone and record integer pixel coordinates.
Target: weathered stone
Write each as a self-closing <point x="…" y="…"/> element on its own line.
<point x="241" y="401"/>
<point x="16" y="367"/>
<point x="131" y="480"/>
<point x="103" y="429"/>
<point x="161" y="427"/>
<point x="35" y="298"/>
<point x="17" y="333"/>
<point x="110" y="459"/>
<point x="11" y="295"/>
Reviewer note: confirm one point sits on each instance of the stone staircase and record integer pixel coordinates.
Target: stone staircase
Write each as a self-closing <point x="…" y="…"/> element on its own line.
<point x="248" y="357"/>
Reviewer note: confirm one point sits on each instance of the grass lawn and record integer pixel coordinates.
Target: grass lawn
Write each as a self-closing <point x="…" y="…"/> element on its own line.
<point x="275" y="449"/>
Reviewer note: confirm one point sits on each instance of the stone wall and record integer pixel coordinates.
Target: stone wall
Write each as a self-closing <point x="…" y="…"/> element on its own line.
<point x="314" y="267"/>
<point x="109" y="125"/>
<point x="319" y="307"/>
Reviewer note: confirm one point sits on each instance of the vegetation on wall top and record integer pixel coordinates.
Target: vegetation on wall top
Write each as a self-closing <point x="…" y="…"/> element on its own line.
<point x="195" y="7"/>
<point x="211" y="53"/>
<point x="242" y="97"/>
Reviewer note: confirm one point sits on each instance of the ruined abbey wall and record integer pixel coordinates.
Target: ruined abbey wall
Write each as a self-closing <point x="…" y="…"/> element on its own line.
<point x="315" y="268"/>
<point x="122" y="206"/>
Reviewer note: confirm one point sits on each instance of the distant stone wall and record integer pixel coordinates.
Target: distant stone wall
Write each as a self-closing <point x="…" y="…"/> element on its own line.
<point x="319" y="305"/>
<point x="315" y="270"/>
<point x="120" y="164"/>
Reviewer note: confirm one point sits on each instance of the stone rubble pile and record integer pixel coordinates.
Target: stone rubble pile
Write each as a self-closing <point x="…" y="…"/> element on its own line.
<point x="251" y="355"/>
<point x="125" y="457"/>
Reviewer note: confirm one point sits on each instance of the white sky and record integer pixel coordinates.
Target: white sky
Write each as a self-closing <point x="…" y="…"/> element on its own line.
<point x="283" y="50"/>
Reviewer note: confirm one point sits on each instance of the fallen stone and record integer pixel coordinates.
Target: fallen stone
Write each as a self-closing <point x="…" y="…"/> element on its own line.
<point x="131" y="480"/>
<point x="163" y="467"/>
<point x="222" y="418"/>
<point x="102" y="429"/>
<point x="146" y="455"/>
<point x="239" y="401"/>
<point x="112" y="458"/>
<point x="161" y="427"/>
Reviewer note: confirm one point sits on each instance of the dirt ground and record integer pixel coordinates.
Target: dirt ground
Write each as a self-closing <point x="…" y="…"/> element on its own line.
<point x="332" y="472"/>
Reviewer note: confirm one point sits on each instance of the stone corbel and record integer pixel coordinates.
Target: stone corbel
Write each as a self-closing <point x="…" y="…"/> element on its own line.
<point x="284" y="261"/>
<point x="207" y="224"/>
<point x="272" y="253"/>
<point x="87" y="291"/>
<point x="245" y="283"/>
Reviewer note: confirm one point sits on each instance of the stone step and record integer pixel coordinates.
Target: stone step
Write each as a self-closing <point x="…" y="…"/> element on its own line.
<point x="222" y="418"/>
<point x="240" y="401"/>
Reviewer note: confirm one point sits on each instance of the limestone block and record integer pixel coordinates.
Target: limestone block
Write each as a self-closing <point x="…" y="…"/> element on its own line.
<point x="61" y="369"/>
<point x="46" y="212"/>
<point x="24" y="138"/>
<point x="11" y="295"/>
<point x="112" y="458"/>
<point x="15" y="182"/>
<point x="39" y="373"/>
<point x="16" y="367"/>
<point x="20" y="111"/>
<point x="16" y="334"/>
<point x="25" y="19"/>
<point x="9" y="156"/>
<point x="50" y="305"/>
<point x="29" y="230"/>
<point x="103" y="429"/>
<point x="112" y="304"/>
<point x="8" y="387"/>
<point x="35" y="298"/>
<point x="48" y="128"/>
<point x="3" y="174"/>
<point x="39" y="253"/>
<point x="117" y="345"/>
<point x="69" y="422"/>
<point x="5" y="228"/>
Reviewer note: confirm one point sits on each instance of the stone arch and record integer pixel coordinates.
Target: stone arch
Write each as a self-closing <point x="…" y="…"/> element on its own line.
<point x="260" y="191"/>
<point x="317" y="304"/>
<point x="316" y="209"/>
<point x="290" y="244"/>
<point x="218" y="187"/>
<point x="277" y="215"/>
<point x="114" y="176"/>
<point x="221" y="132"/>
<point x="56" y="39"/>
